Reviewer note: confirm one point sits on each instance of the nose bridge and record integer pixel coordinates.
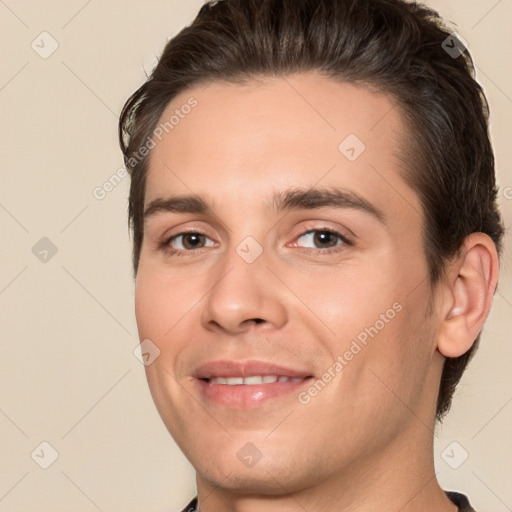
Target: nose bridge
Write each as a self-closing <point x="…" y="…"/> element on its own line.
<point x="242" y="292"/>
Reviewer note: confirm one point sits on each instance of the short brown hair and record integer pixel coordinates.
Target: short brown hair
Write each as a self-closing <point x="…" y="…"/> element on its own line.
<point x="396" y="47"/>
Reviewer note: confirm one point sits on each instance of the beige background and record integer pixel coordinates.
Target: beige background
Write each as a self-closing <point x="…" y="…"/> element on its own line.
<point x="67" y="372"/>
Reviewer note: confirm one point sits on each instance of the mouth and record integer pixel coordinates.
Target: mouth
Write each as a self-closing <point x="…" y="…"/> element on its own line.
<point x="250" y="384"/>
<point x="253" y="380"/>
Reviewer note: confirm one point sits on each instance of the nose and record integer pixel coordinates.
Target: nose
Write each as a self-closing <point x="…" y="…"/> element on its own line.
<point x="243" y="296"/>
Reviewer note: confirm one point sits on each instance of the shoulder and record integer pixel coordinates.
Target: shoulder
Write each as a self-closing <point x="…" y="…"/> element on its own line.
<point x="191" y="507"/>
<point x="461" y="501"/>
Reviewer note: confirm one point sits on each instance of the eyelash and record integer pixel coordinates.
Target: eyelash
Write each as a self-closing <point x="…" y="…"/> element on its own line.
<point x="328" y="250"/>
<point x="164" y="246"/>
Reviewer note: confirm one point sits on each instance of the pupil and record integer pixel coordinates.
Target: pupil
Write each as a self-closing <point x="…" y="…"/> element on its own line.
<point x="325" y="239"/>
<point x="192" y="240"/>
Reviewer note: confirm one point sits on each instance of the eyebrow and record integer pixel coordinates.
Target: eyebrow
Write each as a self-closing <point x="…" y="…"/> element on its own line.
<point x="287" y="201"/>
<point x="177" y="204"/>
<point x="313" y="198"/>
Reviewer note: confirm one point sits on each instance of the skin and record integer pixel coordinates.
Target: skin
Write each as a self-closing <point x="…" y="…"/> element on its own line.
<point x="365" y="442"/>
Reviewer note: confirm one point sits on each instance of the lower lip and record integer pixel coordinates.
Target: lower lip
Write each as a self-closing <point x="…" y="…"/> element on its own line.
<point x="248" y="396"/>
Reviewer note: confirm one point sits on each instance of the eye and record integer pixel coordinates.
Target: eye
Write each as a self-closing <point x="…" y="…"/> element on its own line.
<point x="189" y="241"/>
<point x="321" y="239"/>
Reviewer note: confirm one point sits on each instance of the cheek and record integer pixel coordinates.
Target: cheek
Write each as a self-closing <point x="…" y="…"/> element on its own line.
<point x="376" y="314"/>
<point x="165" y="317"/>
<point x="399" y="358"/>
<point x="348" y="299"/>
<point x="150" y="305"/>
<point x="161" y="300"/>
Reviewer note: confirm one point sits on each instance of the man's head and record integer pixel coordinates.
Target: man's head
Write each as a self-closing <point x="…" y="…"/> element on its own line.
<point x="331" y="163"/>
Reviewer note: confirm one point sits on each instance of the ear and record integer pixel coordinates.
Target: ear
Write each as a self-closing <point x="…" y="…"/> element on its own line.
<point x="468" y="292"/>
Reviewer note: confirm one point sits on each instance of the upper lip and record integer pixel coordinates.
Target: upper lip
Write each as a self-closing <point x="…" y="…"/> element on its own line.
<point x="226" y="368"/>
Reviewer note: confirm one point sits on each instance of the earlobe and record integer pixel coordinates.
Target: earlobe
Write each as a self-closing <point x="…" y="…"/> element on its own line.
<point x="471" y="283"/>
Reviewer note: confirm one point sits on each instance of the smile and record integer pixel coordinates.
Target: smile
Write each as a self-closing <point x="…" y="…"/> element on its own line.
<point x="253" y="380"/>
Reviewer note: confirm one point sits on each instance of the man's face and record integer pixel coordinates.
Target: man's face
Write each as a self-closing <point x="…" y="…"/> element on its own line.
<point x="307" y="255"/>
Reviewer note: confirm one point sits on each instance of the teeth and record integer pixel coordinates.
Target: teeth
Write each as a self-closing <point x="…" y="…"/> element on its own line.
<point x="252" y="380"/>
<point x="256" y="379"/>
<point x="233" y="381"/>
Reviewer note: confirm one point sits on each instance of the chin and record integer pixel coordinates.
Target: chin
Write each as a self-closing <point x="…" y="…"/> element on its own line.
<point x="248" y="481"/>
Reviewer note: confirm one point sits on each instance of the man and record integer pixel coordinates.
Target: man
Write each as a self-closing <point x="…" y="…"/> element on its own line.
<point x="316" y="247"/>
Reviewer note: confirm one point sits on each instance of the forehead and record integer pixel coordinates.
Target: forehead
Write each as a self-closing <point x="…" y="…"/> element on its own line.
<point x="274" y="133"/>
